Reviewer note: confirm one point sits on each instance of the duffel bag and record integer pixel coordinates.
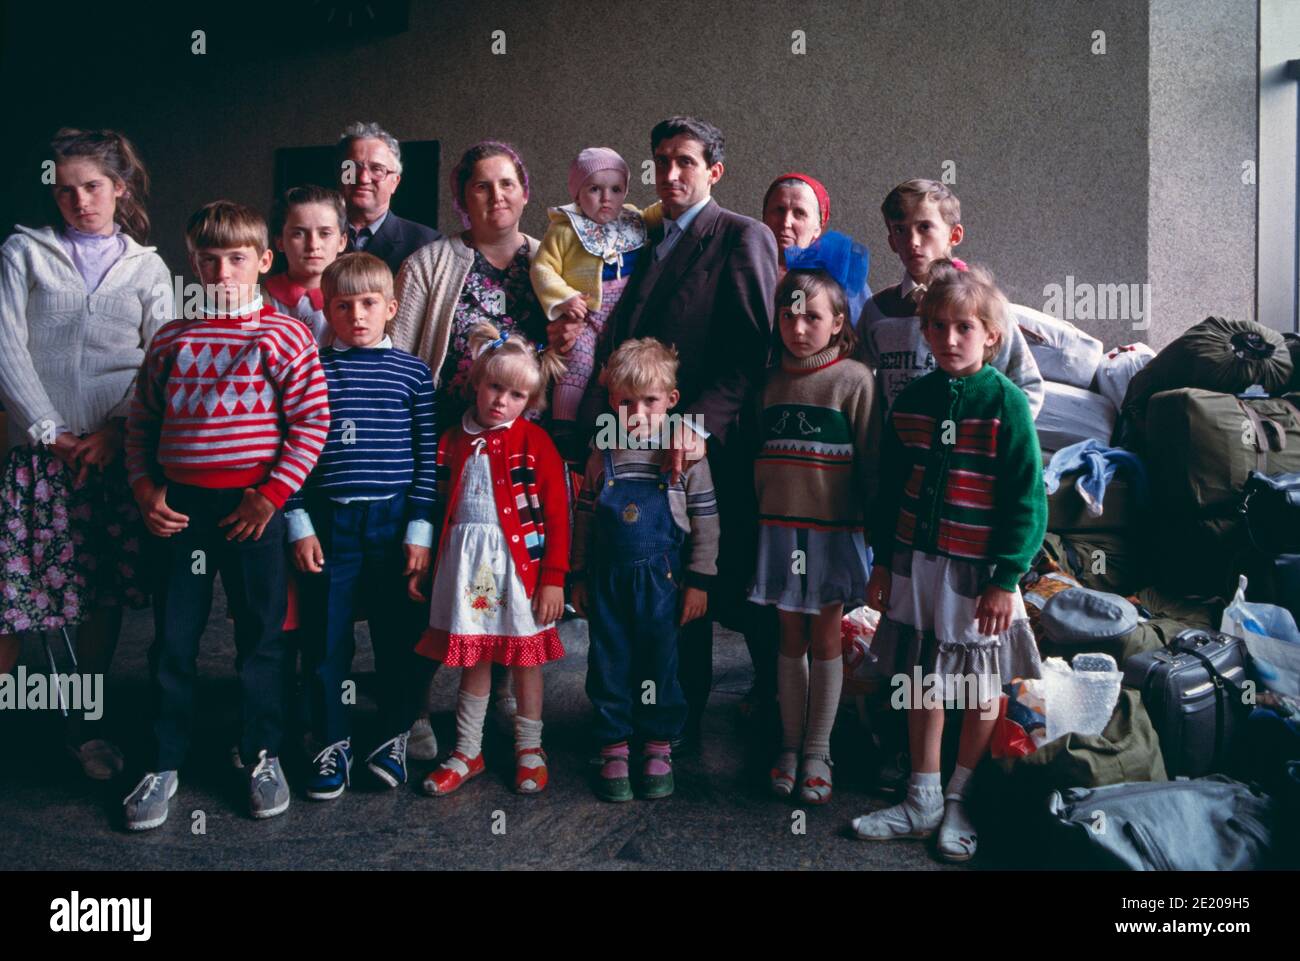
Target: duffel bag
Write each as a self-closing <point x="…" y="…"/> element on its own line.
<point x="1225" y="356"/>
<point x="1203" y="445"/>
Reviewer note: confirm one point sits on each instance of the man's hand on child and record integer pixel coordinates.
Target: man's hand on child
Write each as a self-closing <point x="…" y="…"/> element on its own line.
<point x="160" y="519"/>
<point x="548" y="604"/>
<point x="694" y="604"/>
<point x="562" y="334"/>
<point x="578" y="598"/>
<point x="687" y="448"/>
<point x="249" y="518"/>
<point x="878" y="588"/>
<point x="307" y="555"/>
<point x="993" y="611"/>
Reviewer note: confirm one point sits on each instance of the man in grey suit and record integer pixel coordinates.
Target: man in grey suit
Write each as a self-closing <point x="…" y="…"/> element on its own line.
<point x="370" y="168"/>
<point x="705" y="284"/>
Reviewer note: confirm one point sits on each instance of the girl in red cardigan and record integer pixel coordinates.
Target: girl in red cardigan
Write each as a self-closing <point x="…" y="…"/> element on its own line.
<point x="502" y="559"/>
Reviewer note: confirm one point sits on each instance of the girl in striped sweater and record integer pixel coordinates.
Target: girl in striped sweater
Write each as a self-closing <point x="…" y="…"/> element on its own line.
<point x="815" y="475"/>
<point x="961" y="512"/>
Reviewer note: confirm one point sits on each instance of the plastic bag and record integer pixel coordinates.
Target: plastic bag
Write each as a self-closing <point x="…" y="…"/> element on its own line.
<point x="1021" y="726"/>
<point x="1063" y="352"/>
<point x="857" y="628"/>
<point x="1271" y="637"/>
<point x="1118" y="367"/>
<point x="1080" y="698"/>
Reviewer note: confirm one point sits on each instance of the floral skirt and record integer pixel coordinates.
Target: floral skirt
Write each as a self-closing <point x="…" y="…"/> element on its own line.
<point x="66" y="549"/>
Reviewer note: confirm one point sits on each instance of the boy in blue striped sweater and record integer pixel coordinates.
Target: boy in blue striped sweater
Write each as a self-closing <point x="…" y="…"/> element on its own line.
<point x="362" y="525"/>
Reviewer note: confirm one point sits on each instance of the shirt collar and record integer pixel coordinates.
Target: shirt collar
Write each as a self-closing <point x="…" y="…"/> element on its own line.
<point x="908" y="285"/>
<point x="289" y="293"/>
<point x="472" y="427"/>
<point x="385" y="344"/>
<point x="374" y="225"/>
<point x="688" y="216"/>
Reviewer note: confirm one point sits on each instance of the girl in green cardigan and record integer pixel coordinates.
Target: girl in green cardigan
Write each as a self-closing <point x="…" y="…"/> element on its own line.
<point x="960" y="514"/>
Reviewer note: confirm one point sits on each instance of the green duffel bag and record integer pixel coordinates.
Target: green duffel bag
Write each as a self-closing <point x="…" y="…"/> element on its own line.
<point x="1009" y="795"/>
<point x="1217" y="354"/>
<point x="1109" y="561"/>
<point x="1201" y="446"/>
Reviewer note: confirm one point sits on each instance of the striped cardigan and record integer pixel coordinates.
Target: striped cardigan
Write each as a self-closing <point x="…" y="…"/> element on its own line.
<point x="531" y="496"/>
<point x="962" y="475"/>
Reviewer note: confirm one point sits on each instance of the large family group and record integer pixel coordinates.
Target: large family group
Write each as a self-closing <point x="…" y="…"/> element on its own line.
<point x="402" y="427"/>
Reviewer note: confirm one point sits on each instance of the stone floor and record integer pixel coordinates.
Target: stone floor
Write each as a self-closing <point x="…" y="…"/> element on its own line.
<point x="720" y="817"/>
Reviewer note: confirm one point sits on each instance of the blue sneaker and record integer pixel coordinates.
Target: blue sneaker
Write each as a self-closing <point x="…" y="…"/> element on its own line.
<point x="333" y="771"/>
<point x="388" y="761"/>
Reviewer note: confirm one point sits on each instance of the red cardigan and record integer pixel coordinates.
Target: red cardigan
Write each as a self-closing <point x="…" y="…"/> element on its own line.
<point x="532" y="500"/>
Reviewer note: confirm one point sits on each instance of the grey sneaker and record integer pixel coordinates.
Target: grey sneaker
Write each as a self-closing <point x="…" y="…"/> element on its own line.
<point x="268" y="791"/>
<point x="146" y="806"/>
<point x="421" y="744"/>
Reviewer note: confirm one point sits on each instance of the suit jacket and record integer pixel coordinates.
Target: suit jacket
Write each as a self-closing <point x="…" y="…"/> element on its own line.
<point x="397" y="239"/>
<point x="711" y="298"/>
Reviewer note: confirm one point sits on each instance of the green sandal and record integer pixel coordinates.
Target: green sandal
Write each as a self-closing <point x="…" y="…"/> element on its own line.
<point x="611" y="786"/>
<point x="657" y="784"/>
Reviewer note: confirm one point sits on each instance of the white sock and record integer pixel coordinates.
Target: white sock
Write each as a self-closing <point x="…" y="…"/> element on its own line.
<point x="470" y="713"/>
<point x="792" y="694"/>
<point x="957" y="783"/>
<point x="823" y="702"/>
<point x="528" y="734"/>
<point x="917" y="816"/>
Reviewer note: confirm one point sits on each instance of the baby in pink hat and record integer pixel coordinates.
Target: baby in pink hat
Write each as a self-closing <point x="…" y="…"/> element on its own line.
<point x="583" y="265"/>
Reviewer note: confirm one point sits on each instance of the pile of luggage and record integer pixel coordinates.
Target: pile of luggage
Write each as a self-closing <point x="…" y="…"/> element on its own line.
<point x="1168" y="586"/>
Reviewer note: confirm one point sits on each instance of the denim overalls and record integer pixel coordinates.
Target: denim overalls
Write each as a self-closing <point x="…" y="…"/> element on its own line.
<point x="634" y="592"/>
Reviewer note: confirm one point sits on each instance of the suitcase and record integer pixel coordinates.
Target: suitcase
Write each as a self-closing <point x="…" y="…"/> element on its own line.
<point x="1192" y="692"/>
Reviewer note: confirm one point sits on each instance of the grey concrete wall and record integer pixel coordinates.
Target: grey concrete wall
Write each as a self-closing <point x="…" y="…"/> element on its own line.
<point x="1055" y="152"/>
<point x="1201" y="233"/>
<point x="1279" y="103"/>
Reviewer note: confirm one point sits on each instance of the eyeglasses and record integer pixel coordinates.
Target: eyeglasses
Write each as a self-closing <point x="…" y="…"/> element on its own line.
<point x="377" y="171"/>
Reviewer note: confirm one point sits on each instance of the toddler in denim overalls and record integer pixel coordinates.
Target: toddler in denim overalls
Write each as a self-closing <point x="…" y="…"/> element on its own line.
<point x="632" y="526"/>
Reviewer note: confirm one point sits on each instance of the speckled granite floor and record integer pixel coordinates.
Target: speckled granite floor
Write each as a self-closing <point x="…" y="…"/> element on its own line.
<point x="721" y="816"/>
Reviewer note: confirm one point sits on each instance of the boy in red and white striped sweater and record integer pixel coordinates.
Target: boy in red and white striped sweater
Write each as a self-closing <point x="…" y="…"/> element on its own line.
<point x="230" y="413"/>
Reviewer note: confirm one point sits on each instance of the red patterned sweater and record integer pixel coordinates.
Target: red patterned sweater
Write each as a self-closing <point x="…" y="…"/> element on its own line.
<point x="227" y="402"/>
<point x="532" y="500"/>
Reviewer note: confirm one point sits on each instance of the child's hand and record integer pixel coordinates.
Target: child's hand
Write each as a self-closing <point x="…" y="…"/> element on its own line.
<point x="574" y="309"/>
<point x="160" y="519"/>
<point x="878" y="588"/>
<point x="694" y="604"/>
<point x="548" y="604"/>
<point x="993" y="611"/>
<point x="307" y="555"/>
<point x="578" y="598"/>
<point x="418" y="560"/>
<point x="249" y="518"/>
<point x="562" y="334"/>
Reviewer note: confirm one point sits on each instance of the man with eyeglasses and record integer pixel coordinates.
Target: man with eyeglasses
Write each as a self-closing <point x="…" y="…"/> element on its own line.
<point x="370" y="168"/>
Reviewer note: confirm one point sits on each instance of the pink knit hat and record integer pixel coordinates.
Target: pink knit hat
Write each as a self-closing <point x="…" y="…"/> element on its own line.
<point x="593" y="160"/>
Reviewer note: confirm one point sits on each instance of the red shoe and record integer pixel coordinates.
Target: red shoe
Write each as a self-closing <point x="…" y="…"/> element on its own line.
<point x="452" y="773"/>
<point x="534" y="776"/>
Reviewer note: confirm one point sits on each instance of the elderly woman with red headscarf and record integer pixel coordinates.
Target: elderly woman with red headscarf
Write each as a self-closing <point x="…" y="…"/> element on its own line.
<point x="796" y="208"/>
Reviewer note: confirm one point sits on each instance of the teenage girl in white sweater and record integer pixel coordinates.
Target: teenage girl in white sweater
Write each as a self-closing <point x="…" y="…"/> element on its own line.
<point x="79" y="302"/>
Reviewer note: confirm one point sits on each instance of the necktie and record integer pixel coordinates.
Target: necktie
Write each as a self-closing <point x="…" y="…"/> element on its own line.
<point x="361" y="239"/>
<point x="671" y="231"/>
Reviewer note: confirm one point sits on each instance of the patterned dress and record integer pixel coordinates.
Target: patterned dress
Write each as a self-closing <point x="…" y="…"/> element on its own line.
<point x="501" y="297"/>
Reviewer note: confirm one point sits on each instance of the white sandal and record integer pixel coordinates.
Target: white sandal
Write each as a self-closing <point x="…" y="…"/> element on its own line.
<point x="906" y="820"/>
<point x="783" y="772"/>
<point x="816" y="789"/>
<point x="958" y="838"/>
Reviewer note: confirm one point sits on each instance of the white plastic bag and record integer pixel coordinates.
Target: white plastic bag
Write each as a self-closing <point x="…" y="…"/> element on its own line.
<point x="1080" y="699"/>
<point x="1064" y="353"/>
<point x="1117" y="369"/>
<point x="1271" y="638"/>
<point x="857" y="628"/>
<point x="1071" y="414"/>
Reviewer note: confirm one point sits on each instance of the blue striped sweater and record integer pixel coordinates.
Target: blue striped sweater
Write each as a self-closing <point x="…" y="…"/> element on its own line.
<point x="383" y="435"/>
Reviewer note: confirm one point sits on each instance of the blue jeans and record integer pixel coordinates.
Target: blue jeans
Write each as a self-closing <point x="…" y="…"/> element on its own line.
<point x="253" y="574"/>
<point x="364" y="558"/>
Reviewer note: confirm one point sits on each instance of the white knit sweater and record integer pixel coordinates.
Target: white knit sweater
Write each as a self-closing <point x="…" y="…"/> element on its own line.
<point x="428" y="287"/>
<point x="67" y="357"/>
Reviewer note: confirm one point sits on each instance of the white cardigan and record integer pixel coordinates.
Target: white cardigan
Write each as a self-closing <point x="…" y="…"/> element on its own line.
<point x="428" y="287"/>
<point x="69" y="358"/>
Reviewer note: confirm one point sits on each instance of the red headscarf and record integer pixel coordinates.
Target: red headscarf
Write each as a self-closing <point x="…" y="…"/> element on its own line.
<point x="815" y="185"/>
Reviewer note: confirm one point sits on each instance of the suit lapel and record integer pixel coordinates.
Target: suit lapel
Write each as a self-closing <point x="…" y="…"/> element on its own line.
<point x="667" y="273"/>
<point x="386" y="240"/>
